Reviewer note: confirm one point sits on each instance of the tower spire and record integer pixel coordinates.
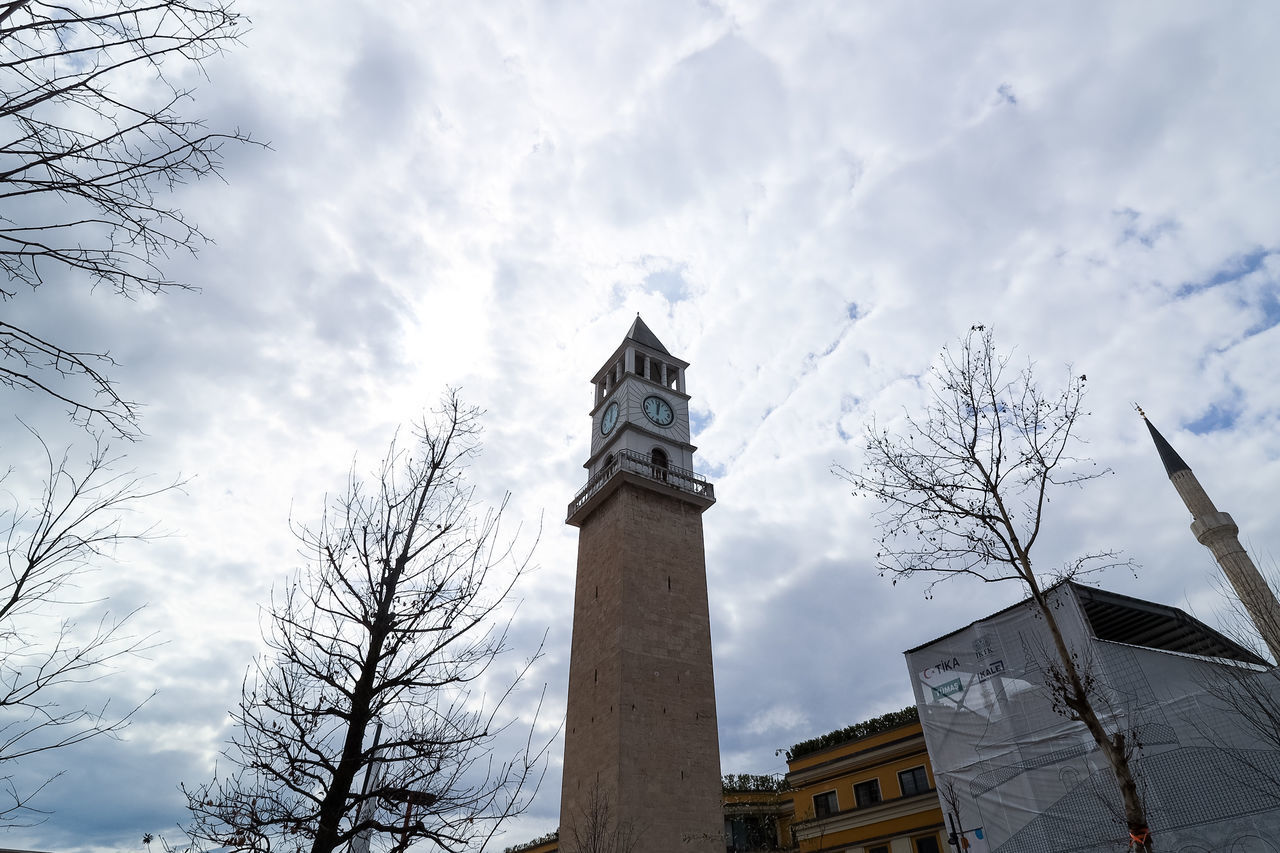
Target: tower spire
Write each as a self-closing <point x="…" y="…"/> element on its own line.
<point x="1218" y="532"/>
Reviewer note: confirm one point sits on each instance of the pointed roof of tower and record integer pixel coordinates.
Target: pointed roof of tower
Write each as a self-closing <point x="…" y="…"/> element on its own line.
<point x="640" y="333"/>
<point x="1172" y="461"/>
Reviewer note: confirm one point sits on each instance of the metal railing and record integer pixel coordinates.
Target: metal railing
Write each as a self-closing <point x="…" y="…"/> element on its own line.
<point x="637" y="463"/>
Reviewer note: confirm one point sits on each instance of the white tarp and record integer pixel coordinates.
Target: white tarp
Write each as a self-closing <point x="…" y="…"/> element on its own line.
<point x="1028" y="780"/>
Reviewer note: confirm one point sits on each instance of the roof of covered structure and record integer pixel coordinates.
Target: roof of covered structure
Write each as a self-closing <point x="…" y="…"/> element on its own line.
<point x="1136" y="622"/>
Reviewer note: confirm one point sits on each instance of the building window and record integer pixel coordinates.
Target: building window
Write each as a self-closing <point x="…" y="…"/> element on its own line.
<point x="867" y="793"/>
<point x="913" y="781"/>
<point x="883" y="848"/>
<point x="927" y="844"/>
<point x="825" y="804"/>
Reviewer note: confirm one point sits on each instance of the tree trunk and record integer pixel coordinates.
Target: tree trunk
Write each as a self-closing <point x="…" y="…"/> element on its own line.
<point x="1076" y="698"/>
<point x="334" y="805"/>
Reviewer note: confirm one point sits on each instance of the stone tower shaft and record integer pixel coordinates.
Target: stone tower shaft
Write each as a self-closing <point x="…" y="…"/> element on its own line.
<point x="1218" y="532"/>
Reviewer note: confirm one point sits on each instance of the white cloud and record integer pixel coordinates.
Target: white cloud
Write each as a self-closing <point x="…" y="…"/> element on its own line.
<point x="805" y="201"/>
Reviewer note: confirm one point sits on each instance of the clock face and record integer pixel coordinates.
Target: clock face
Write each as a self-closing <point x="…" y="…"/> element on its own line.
<point x="659" y="411"/>
<point x="609" y="419"/>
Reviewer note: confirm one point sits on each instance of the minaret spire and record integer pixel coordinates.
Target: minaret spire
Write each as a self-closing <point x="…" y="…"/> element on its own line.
<point x="1219" y="533"/>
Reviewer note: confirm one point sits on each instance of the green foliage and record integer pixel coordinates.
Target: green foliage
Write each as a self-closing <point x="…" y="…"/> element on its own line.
<point x="875" y="725"/>
<point x="553" y="835"/>
<point x="745" y="782"/>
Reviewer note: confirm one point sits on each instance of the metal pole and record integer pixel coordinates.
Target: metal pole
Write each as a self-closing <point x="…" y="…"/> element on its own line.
<point x="360" y="843"/>
<point x="404" y="834"/>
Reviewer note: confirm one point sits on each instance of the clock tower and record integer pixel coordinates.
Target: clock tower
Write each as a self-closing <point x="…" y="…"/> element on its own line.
<point x="641" y="756"/>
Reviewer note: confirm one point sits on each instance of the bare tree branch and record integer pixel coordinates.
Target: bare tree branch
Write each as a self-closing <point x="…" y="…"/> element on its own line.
<point x="1248" y="693"/>
<point x="394" y="622"/>
<point x="49" y="545"/>
<point x="597" y="828"/>
<point x="92" y="134"/>
<point x="964" y="491"/>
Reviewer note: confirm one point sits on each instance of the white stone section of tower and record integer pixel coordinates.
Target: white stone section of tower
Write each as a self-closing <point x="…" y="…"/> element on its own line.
<point x="1218" y="532"/>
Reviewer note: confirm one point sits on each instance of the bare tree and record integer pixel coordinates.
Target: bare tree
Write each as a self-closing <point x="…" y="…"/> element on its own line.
<point x="393" y="623"/>
<point x="597" y="828"/>
<point x="964" y="492"/>
<point x="1247" y="692"/>
<point x="92" y="135"/>
<point x="49" y="546"/>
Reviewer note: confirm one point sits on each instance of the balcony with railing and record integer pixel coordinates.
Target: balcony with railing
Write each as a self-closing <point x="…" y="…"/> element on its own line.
<point x="653" y="473"/>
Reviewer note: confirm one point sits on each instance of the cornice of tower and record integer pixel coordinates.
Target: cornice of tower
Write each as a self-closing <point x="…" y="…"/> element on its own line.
<point x="1213" y="526"/>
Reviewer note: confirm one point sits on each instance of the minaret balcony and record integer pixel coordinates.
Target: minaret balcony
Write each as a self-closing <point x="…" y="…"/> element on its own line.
<point x="630" y="466"/>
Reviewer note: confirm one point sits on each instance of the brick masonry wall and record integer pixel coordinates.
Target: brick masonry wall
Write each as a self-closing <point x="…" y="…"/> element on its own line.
<point x="641" y="722"/>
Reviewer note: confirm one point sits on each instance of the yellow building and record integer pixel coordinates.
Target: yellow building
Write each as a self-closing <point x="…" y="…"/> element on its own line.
<point x="867" y="788"/>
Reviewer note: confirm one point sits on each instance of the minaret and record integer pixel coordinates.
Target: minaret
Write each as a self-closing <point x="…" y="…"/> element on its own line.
<point x="641" y="754"/>
<point x="1219" y="533"/>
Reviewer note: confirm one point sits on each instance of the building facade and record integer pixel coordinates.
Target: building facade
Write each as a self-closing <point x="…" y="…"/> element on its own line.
<point x="874" y="793"/>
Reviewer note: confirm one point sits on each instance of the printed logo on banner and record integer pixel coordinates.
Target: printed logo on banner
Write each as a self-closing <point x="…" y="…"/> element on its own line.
<point x="945" y="665"/>
<point x="995" y="668"/>
<point x="946" y="689"/>
<point x="984" y="646"/>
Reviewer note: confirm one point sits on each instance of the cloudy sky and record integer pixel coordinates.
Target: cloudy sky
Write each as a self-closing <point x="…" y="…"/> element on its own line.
<point x="804" y="200"/>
